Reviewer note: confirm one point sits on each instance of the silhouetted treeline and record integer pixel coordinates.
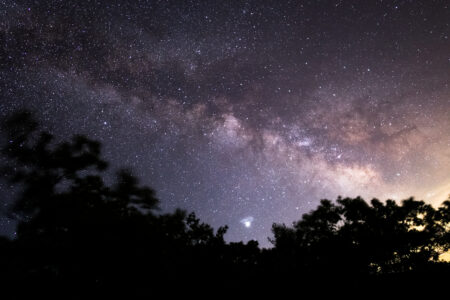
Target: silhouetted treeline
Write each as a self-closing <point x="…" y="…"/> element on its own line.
<point x="78" y="237"/>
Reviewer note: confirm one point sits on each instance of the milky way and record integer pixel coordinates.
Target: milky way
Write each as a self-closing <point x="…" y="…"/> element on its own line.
<point x="242" y="109"/>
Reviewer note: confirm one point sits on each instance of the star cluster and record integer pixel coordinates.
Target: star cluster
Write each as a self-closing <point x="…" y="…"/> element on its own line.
<point x="246" y="112"/>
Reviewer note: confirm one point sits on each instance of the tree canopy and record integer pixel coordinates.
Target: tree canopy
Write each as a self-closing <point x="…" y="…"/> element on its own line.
<point x="366" y="237"/>
<point x="77" y="235"/>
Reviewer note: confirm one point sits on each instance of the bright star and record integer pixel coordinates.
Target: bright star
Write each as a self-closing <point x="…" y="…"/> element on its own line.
<point x="247" y="221"/>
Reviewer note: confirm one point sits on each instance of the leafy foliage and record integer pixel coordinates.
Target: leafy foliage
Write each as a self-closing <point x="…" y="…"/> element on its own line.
<point x="78" y="234"/>
<point x="366" y="238"/>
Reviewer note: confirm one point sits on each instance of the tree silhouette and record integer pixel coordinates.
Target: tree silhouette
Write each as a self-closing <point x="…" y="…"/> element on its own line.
<point x="75" y="230"/>
<point x="79" y="237"/>
<point x="363" y="238"/>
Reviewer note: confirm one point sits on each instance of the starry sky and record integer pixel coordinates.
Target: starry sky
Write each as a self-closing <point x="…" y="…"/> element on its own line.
<point x="246" y="112"/>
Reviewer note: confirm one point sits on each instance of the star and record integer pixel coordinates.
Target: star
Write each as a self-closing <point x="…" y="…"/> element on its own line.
<point x="247" y="221"/>
<point x="217" y="107"/>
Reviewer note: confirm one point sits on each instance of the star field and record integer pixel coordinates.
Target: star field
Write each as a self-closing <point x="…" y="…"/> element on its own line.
<point x="246" y="112"/>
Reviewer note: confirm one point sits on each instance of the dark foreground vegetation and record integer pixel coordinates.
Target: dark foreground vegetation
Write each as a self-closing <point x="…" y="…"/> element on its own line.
<point x="79" y="238"/>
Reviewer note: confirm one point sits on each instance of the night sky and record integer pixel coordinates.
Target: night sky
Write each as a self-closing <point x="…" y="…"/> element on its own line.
<point x="246" y="112"/>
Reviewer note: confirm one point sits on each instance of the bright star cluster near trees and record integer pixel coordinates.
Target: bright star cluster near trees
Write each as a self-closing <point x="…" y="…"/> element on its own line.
<point x="233" y="109"/>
